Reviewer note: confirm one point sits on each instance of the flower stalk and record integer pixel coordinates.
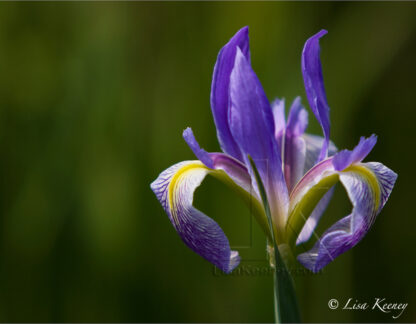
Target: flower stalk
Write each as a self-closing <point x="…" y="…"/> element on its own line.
<point x="286" y="308"/>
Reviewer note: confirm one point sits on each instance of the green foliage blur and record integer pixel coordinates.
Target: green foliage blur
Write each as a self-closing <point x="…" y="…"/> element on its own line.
<point x="93" y="101"/>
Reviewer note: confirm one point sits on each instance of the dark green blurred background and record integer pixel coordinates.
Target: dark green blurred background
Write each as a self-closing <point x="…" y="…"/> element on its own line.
<point x="93" y="101"/>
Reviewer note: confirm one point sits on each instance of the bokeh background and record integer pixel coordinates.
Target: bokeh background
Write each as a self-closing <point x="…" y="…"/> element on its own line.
<point x="93" y="101"/>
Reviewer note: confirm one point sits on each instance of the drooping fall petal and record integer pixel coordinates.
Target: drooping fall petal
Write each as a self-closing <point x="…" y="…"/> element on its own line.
<point x="174" y="188"/>
<point x="313" y="149"/>
<point x="368" y="186"/>
<point x="235" y="170"/>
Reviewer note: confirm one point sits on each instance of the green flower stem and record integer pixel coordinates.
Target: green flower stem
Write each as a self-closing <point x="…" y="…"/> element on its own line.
<point x="285" y="301"/>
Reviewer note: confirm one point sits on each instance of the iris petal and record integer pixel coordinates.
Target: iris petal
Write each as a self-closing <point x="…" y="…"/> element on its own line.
<point x="313" y="149"/>
<point x="252" y="126"/>
<point x="314" y="218"/>
<point x="278" y="108"/>
<point x="294" y="159"/>
<point x="220" y="90"/>
<point x="201" y="154"/>
<point x="368" y="186"/>
<point x="314" y="86"/>
<point x="294" y="151"/>
<point x="220" y="161"/>
<point x="306" y="196"/>
<point x="297" y="120"/>
<point x="174" y="188"/>
<point x="347" y="157"/>
<point x="236" y="171"/>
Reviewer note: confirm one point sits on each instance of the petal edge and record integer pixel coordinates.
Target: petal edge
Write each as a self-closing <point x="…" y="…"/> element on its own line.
<point x="174" y="189"/>
<point x="368" y="186"/>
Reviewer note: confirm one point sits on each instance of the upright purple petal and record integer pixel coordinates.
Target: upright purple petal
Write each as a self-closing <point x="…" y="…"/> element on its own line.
<point x="294" y="159"/>
<point x="294" y="151"/>
<point x="346" y="157"/>
<point x="368" y="186"/>
<point x="220" y="90"/>
<point x="314" y="86"/>
<point x="278" y="108"/>
<point x="297" y="121"/>
<point x="252" y="126"/>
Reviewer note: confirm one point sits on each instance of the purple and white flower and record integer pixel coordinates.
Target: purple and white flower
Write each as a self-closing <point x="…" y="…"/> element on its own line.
<point x="298" y="170"/>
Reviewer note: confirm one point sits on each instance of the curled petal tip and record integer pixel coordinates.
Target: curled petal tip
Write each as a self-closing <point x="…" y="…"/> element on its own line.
<point x="314" y="87"/>
<point x="346" y="157"/>
<point x="321" y="33"/>
<point x="234" y="262"/>
<point x="200" y="153"/>
<point x="187" y="132"/>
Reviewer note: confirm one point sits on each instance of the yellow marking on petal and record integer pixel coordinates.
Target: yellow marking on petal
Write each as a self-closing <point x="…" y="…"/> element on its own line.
<point x="302" y="210"/>
<point x="255" y="207"/>
<point x="176" y="179"/>
<point x="371" y="179"/>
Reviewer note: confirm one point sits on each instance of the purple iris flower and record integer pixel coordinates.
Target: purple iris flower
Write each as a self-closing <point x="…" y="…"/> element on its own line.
<point x="298" y="170"/>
